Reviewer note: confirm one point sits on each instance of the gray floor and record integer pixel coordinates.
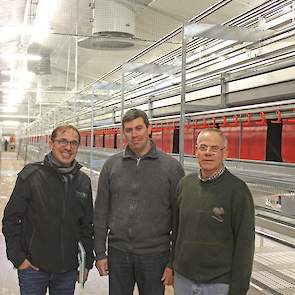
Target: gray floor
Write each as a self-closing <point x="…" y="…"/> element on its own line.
<point x="273" y="273"/>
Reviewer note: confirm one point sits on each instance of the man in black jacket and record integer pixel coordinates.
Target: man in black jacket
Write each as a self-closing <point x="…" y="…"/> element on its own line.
<point x="49" y="212"/>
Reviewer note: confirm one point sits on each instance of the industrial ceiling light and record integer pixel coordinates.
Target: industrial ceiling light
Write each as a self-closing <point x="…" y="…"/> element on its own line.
<point x="9" y="109"/>
<point x="20" y="56"/>
<point x="10" y="123"/>
<point x="8" y="33"/>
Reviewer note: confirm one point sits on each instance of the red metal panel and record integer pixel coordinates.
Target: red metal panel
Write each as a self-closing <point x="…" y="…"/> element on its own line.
<point x="83" y="135"/>
<point x="288" y="141"/>
<point x="157" y="136"/>
<point x="167" y="143"/>
<point x="109" y="139"/>
<point x="99" y="138"/>
<point x="233" y="138"/>
<point x="189" y="139"/>
<point x="157" y="139"/>
<point x="253" y="144"/>
<point x="118" y="139"/>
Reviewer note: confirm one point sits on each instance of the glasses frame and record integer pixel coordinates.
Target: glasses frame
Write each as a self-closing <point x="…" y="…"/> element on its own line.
<point x="214" y="149"/>
<point x="64" y="142"/>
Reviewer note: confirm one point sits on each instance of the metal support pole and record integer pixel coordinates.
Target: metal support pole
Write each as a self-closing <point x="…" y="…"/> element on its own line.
<point x="122" y="108"/>
<point x="223" y="90"/>
<point x="91" y="136"/>
<point x="76" y="60"/>
<point x="182" y="104"/>
<point x="114" y="115"/>
<point x="150" y="114"/>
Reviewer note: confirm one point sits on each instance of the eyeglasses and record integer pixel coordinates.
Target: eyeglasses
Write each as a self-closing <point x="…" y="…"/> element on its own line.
<point x="63" y="142"/>
<point x="211" y="148"/>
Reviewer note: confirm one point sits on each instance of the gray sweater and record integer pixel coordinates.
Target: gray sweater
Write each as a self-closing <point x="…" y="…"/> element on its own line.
<point x="135" y="201"/>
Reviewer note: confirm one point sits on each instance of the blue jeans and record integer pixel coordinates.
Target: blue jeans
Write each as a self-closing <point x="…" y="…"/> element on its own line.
<point x="126" y="269"/>
<point x="184" y="286"/>
<point x="34" y="282"/>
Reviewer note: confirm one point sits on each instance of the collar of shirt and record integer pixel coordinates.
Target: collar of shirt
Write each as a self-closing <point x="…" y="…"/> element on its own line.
<point x="212" y="177"/>
<point x="153" y="152"/>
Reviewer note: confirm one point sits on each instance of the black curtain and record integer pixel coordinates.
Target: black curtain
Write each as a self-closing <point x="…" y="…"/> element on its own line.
<point x="274" y="142"/>
<point x="175" y="141"/>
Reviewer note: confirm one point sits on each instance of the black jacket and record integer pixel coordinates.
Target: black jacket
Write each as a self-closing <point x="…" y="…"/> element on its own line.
<point x="46" y="216"/>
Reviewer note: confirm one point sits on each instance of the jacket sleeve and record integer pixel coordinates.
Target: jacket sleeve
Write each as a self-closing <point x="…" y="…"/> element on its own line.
<point x="86" y="229"/>
<point x="101" y="212"/>
<point x="12" y="223"/>
<point x="243" y="221"/>
<point x="177" y="175"/>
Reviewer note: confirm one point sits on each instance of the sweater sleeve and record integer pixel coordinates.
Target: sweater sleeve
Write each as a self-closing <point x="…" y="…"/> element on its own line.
<point x="101" y="212"/>
<point x="244" y="239"/>
<point x="175" y="222"/>
<point x="177" y="175"/>
<point x="12" y="223"/>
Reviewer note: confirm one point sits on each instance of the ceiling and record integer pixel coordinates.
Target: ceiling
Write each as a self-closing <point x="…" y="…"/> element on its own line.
<point x="66" y="68"/>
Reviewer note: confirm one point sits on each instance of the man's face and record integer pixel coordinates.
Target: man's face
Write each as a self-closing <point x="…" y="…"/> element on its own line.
<point x="210" y="153"/>
<point x="65" y="146"/>
<point x="137" y="136"/>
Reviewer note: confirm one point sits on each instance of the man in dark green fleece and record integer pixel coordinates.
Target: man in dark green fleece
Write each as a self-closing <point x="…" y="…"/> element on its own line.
<point x="214" y="225"/>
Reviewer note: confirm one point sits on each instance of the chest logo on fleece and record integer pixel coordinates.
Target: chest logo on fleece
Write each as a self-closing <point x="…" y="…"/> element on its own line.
<point x="218" y="214"/>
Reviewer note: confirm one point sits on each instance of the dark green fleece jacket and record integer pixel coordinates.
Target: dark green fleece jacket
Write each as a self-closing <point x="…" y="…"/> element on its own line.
<point x="215" y="231"/>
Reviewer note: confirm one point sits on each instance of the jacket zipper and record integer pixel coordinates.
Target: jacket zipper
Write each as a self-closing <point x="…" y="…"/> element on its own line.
<point x="137" y="161"/>
<point x="31" y="240"/>
<point x="62" y="223"/>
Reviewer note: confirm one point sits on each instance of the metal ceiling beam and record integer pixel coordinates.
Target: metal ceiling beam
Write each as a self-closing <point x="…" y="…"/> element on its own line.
<point x="223" y="32"/>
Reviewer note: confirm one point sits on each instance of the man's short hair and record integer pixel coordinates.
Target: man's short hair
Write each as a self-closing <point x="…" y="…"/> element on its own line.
<point x="133" y="114"/>
<point x="63" y="128"/>
<point x="213" y="130"/>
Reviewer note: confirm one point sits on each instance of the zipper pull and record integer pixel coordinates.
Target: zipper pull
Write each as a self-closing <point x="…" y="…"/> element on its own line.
<point x="138" y="160"/>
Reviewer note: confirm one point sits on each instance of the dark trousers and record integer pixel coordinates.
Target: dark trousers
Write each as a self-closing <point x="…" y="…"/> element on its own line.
<point x="34" y="282"/>
<point x="146" y="271"/>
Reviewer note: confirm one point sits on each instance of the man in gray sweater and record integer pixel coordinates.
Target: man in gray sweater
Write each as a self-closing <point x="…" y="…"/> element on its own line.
<point x="133" y="212"/>
<point x="214" y="225"/>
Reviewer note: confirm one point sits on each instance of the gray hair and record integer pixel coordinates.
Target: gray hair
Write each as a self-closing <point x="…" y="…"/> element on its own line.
<point x="213" y="130"/>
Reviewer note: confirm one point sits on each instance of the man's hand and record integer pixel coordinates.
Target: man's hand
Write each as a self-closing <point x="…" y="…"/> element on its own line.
<point x="27" y="264"/>
<point x="102" y="266"/>
<point x="167" y="277"/>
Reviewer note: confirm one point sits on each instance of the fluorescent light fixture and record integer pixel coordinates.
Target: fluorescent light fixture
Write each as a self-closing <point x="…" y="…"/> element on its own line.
<point x="16" y="84"/>
<point x="10" y="123"/>
<point x="287" y="9"/>
<point x="20" y="56"/>
<point x="9" y="32"/>
<point x="45" y="11"/>
<point x="9" y="109"/>
<point x="21" y="29"/>
<point x="18" y="73"/>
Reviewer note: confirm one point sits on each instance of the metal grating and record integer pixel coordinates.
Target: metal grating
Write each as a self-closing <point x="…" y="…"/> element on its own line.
<point x="288" y="272"/>
<point x="275" y="283"/>
<point x="275" y="258"/>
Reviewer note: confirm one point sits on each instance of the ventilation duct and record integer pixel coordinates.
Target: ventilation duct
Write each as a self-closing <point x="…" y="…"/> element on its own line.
<point x="113" y="26"/>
